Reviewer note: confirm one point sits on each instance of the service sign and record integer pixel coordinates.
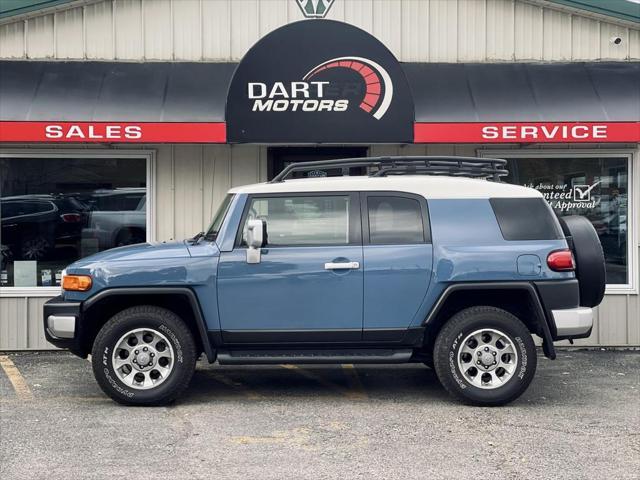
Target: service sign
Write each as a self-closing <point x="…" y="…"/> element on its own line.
<point x="319" y="82"/>
<point x="548" y="132"/>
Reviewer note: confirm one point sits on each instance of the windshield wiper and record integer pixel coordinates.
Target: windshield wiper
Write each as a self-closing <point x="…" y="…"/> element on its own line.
<point x="196" y="238"/>
<point x="211" y="235"/>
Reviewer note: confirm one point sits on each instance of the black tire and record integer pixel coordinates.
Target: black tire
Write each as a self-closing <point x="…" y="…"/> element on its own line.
<point x="449" y="342"/>
<point x="587" y="251"/>
<point x="151" y="317"/>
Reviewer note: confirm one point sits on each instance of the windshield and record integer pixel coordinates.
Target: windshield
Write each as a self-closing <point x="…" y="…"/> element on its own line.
<point x="218" y="218"/>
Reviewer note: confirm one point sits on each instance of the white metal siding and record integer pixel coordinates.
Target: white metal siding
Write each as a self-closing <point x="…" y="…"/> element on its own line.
<point x="216" y="23"/>
<point x="69" y="36"/>
<point x="556" y="43"/>
<point x="415" y="36"/>
<point x="471" y="41"/>
<point x="12" y="40"/>
<point x="187" y="42"/>
<point x="40" y="37"/>
<point x="585" y="38"/>
<point x="223" y="30"/>
<point x="528" y="31"/>
<point x="127" y="23"/>
<point x="443" y="39"/>
<point x="191" y="181"/>
<point x="21" y="324"/>
<point x="99" y="31"/>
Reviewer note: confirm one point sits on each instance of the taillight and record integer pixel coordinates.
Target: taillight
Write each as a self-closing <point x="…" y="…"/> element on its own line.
<point x="71" y="217"/>
<point x="561" y="261"/>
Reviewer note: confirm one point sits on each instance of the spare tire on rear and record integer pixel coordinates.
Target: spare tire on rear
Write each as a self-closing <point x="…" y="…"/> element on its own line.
<point x="587" y="251"/>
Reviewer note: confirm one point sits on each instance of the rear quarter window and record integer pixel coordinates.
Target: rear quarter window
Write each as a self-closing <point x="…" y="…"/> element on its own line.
<point x="394" y="221"/>
<point x="525" y="219"/>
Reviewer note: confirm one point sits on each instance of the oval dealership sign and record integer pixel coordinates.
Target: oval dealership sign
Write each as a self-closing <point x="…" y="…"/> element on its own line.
<point x="319" y="82"/>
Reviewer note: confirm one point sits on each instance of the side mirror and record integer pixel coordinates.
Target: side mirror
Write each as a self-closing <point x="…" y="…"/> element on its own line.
<point x="256" y="239"/>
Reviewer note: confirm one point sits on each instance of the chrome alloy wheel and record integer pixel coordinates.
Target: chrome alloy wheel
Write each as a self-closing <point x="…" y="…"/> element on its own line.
<point x="487" y="358"/>
<point x="143" y="358"/>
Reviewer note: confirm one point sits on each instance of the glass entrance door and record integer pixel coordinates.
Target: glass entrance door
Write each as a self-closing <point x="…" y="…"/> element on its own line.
<point x="280" y="157"/>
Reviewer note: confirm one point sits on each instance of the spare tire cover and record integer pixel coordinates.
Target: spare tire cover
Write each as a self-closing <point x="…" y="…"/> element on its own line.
<point x="589" y="257"/>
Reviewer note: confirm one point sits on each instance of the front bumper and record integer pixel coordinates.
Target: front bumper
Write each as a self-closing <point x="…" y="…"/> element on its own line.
<point x="573" y="322"/>
<point x="62" y="325"/>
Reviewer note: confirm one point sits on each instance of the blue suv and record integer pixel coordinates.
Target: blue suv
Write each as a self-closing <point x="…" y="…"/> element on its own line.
<point x="425" y="259"/>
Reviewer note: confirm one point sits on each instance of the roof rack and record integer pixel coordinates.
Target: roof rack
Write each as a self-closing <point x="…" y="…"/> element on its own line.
<point x="473" y="167"/>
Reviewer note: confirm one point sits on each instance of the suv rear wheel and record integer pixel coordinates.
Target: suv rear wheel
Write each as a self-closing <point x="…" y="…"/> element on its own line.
<point x="485" y="356"/>
<point x="144" y="355"/>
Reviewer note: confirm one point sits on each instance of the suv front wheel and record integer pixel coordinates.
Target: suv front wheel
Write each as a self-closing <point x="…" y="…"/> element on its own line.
<point x="144" y="355"/>
<point x="485" y="356"/>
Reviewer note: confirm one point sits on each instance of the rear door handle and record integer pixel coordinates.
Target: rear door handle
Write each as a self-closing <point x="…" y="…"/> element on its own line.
<point x="342" y="266"/>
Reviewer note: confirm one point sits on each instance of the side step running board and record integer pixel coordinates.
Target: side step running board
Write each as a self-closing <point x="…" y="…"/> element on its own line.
<point x="361" y="355"/>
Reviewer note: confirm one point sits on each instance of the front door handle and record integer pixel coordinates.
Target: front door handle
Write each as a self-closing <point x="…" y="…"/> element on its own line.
<point x="342" y="266"/>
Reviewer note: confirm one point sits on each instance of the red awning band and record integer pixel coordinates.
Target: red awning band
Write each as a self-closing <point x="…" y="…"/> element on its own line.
<point x="113" y="132"/>
<point x="518" y="132"/>
<point x="215" y="132"/>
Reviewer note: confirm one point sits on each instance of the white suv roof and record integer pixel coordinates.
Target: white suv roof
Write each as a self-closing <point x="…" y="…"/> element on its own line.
<point x="424" y="185"/>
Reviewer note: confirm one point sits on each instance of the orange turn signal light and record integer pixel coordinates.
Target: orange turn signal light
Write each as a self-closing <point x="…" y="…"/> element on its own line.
<point x="78" y="283"/>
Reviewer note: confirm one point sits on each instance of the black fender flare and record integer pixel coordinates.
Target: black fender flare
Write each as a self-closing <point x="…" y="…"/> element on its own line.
<point x="547" y="344"/>
<point x="185" y="291"/>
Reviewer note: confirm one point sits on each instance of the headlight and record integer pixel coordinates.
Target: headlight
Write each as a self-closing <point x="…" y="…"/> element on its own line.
<point x="76" y="283"/>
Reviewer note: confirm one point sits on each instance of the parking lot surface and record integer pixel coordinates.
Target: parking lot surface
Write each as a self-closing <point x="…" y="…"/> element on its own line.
<point x="579" y="419"/>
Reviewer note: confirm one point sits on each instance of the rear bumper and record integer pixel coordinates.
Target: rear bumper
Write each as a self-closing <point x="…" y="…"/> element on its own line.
<point x="62" y="324"/>
<point x="561" y="302"/>
<point x="573" y="322"/>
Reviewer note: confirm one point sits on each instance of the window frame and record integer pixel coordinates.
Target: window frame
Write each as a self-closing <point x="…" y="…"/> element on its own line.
<point x="355" y="227"/>
<point x="633" y="176"/>
<point x="364" y="210"/>
<point x="57" y="153"/>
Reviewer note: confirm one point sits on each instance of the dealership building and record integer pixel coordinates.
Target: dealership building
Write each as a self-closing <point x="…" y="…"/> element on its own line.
<point x="124" y="121"/>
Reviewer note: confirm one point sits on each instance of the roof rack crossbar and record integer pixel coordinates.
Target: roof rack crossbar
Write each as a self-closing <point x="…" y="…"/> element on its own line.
<point x="473" y="167"/>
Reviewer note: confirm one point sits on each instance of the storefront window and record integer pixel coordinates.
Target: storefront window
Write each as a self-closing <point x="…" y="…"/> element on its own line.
<point x="597" y="188"/>
<point x="57" y="210"/>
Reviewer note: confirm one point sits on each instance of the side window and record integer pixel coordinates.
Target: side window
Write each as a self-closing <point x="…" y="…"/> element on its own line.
<point x="525" y="219"/>
<point x="394" y="220"/>
<point x="298" y="220"/>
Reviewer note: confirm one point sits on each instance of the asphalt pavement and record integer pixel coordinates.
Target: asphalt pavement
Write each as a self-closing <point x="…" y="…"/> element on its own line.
<point x="580" y="419"/>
